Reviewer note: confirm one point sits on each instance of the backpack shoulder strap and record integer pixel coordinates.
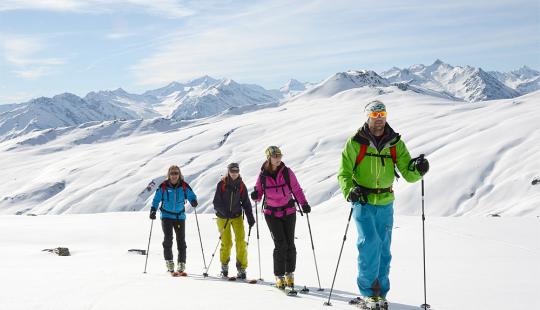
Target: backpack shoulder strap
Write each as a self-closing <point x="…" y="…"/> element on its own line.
<point x="185" y="186"/>
<point x="223" y="180"/>
<point x="287" y="177"/>
<point x="263" y="182"/>
<point x="361" y="155"/>
<point x="393" y="153"/>
<point x="163" y="186"/>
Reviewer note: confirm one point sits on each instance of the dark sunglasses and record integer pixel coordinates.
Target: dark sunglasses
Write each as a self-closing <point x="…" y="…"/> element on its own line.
<point x="175" y="173"/>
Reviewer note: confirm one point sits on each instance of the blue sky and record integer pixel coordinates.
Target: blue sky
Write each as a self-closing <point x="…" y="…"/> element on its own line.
<point x="53" y="46"/>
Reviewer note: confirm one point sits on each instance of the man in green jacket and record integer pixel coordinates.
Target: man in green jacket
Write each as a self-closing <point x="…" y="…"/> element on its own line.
<point x="368" y="166"/>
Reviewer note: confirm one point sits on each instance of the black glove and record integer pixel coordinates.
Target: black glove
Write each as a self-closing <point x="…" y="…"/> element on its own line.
<point x="254" y="195"/>
<point x="153" y="214"/>
<point x="421" y="164"/>
<point x="306" y="208"/>
<point x="251" y="221"/>
<point x="194" y="203"/>
<point x="357" y="194"/>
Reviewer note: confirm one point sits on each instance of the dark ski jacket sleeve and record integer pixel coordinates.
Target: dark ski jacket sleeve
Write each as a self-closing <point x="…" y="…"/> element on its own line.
<point x="219" y="204"/>
<point x="246" y="204"/>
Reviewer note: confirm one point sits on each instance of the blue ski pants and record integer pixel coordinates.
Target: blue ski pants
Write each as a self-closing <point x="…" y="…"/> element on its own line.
<point x="374" y="225"/>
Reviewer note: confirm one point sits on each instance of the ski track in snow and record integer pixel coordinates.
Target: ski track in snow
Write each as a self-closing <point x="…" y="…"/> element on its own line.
<point x="170" y="147"/>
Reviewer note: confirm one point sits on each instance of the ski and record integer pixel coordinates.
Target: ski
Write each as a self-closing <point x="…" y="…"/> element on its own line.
<point x="178" y="274"/>
<point x="249" y="281"/>
<point x="233" y="278"/>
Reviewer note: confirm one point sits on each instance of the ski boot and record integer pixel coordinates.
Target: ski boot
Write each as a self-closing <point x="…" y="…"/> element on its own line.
<point x="181" y="269"/>
<point x="372" y="303"/>
<point x="289" y="279"/>
<point x="241" y="274"/>
<point x="280" y="282"/>
<point x="224" y="271"/>
<point x="383" y="303"/>
<point x="170" y="267"/>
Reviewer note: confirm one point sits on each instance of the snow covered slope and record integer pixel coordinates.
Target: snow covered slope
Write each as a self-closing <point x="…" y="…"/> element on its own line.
<point x="197" y="98"/>
<point x="294" y="87"/>
<point x="524" y="79"/>
<point x="59" y="111"/>
<point x="483" y="155"/>
<point x="221" y="96"/>
<point x="140" y="106"/>
<point x="494" y="257"/>
<point x="467" y="83"/>
<point x="342" y="81"/>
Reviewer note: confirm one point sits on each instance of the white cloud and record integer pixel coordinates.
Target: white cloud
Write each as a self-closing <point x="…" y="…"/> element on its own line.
<point x="23" y="53"/>
<point x="168" y="8"/>
<point x="119" y="35"/>
<point x="278" y="38"/>
<point x="32" y="73"/>
<point x="15" y="97"/>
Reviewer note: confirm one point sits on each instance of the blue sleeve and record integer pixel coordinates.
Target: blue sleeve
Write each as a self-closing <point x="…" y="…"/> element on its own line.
<point x="157" y="199"/>
<point x="191" y="195"/>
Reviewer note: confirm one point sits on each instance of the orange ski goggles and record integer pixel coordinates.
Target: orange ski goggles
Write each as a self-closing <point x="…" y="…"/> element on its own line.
<point x="377" y="114"/>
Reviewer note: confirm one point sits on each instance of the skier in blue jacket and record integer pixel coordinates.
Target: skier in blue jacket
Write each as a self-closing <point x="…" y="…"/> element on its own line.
<point x="172" y="194"/>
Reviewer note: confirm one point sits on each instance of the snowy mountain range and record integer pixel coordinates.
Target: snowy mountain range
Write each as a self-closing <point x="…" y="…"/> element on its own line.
<point x="466" y="83"/>
<point x="207" y="96"/>
<point x="199" y="98"/>
<point x="524" y="80"/>
<point x="59" y="111"/>
<point x="102" y="166"/>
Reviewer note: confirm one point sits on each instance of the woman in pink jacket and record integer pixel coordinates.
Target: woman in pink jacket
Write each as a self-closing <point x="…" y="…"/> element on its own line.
<point x="280" y="188"/>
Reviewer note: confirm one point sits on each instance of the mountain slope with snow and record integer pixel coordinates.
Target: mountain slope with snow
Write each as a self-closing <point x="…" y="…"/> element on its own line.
<point x="59" y="111"/>
<point x="524" y="80"/>
<point x="346" y="80"/>
<point x="467" y="83"/>
<point x="220" y="97"/>
<point x="139" y="106"/>
<point x="102" y="167"/>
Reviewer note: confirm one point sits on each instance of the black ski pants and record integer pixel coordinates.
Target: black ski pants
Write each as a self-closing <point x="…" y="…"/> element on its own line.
<point x="282" y="230"/>
<point x="179" y="227"/>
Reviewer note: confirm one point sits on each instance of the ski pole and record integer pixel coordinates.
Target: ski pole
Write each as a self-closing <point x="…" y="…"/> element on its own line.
<point x="205" y="274"/>
<point x="327" y="303"/>
<point x="425" y="305"/>
<point x="258" y="240"/>
<point x="148" y="248"/>
<point x="217" y="245"/>
<point x="313" y="248"/>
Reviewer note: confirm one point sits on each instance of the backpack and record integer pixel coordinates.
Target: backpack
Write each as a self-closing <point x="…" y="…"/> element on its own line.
<point x="224" y="183"/>
<point x="287" y="178"/>
<point x="185" y="186"/>
<point x="363" y="152"/>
